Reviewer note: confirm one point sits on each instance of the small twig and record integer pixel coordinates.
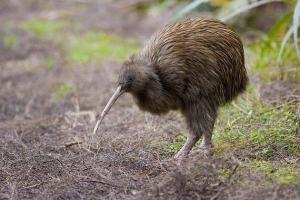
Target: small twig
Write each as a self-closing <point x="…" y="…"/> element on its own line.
<point x="47" y="161"/>
<point x="72" y="144"/>
<point x="102" y="182"/>
<point x="239" y="108"/>
<point x="29" y="106"/>
<point x="90" y="114"/>
<point x="129" y="151"/>
<point x="274" y="108"/>
<point x="32" y="186"/>
<point x="235" y="120"/>
<point x="233" y="172"/>
<point x="224" y="183"/>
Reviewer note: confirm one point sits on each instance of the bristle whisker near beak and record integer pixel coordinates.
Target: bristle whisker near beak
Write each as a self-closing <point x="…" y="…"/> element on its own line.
<point x="108" y="106"/>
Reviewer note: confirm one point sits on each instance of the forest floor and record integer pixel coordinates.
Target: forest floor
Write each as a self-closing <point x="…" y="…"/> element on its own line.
<point x="59" y="63"/>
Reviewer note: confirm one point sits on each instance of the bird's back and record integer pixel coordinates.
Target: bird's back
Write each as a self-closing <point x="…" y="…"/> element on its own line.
<point x="198" y="57"/>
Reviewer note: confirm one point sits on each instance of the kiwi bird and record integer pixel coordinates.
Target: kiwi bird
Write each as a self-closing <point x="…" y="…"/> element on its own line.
<point x="193" y="66"/>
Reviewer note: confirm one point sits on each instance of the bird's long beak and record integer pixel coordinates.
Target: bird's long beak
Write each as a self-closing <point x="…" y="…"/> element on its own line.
<point x="119" y="91"/>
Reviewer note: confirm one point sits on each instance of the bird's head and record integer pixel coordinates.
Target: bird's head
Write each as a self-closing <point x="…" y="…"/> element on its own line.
<point x="135" y="75"/>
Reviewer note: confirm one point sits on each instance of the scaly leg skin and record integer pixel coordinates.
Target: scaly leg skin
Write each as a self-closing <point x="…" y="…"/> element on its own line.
<point x="188" y="145"/>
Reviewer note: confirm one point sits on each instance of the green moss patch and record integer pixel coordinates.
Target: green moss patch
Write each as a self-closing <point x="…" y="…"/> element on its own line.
<point x="94" y="47"/>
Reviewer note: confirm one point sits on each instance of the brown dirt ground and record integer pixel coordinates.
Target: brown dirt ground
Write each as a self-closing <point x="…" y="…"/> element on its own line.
<point x="47" y="151"/>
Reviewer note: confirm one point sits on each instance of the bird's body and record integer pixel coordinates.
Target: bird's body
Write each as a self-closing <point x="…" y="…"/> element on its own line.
<point x="194" y="59"/>
<point x="194" y="66"/>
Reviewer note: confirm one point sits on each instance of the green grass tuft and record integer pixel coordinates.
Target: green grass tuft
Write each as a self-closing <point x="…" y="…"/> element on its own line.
<point x="278" y="172"/>
<point x="174" y="147"/>
<point x="168" y="148"/>
<point x="260" y="135"/>
<point x="62" y="90"/>
<point x="9" y="41"/>
<point x="40" y="27"/>
<point x="96" y="47"/>
<point x="250" y="123"/>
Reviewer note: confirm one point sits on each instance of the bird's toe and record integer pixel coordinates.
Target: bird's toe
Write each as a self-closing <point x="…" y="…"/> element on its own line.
<point x="179" y="158"/>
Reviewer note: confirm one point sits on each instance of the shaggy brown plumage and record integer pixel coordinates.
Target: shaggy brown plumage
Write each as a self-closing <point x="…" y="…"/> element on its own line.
<point x="194" y="66"/>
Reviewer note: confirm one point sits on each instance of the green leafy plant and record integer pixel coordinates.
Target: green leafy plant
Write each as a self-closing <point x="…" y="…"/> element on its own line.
<point x="292" y="30"/>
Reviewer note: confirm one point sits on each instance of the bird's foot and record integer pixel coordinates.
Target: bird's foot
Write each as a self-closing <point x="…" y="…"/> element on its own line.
<point x="204" y="151"/>
<point x="180" y="157"/>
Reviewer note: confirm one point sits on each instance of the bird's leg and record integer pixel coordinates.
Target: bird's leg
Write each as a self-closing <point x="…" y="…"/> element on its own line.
<point x="206" y="142"/>
<point x="200" y="118"/>
<point x="188" y="145"/>
<point x="206" y="145"/>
